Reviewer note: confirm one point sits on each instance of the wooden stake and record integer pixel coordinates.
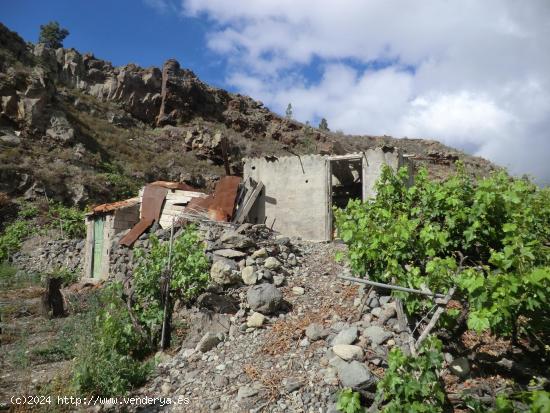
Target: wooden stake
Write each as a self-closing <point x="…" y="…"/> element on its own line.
<point x="165" y="336"/>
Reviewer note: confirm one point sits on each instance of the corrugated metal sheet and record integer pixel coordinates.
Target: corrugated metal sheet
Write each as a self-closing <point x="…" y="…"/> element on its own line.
<point x="151" y="207"/>
<point x="221" y="204"/>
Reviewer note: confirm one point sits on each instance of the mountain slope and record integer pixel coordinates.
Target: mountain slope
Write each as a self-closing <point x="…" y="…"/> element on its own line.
<point x="77" y="129"/>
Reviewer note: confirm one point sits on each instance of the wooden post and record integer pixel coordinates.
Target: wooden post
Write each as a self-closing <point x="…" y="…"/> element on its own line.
<point x="165" y="334"/>
<point x="440" y="310"/>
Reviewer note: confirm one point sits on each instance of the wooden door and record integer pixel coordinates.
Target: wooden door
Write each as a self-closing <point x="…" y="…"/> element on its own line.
<point x="99" y="225"/>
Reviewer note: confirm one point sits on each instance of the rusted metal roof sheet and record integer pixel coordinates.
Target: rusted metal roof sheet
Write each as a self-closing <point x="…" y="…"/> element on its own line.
<point x="114" y="206"/>
<point x="221" y="204"/>
<point x="151" y="207"/>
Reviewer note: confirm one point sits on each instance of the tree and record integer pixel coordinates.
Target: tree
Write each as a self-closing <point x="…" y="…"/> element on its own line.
<point x="289" y="111"/>
<point x="323" y="125"/>
<point x="52" y="35"/>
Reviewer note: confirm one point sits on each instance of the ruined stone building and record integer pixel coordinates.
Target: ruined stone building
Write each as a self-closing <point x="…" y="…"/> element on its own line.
<point x="299" y="192"/>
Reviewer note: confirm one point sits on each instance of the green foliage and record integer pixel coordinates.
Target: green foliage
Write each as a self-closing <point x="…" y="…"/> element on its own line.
<point x="349" y="401"/>
<point x="13" y="236"/>
<point x="69" y="219"/>
<point x="109" y="359"/>
<point x="188" y="279"/>
<point x="122" y="185"/>
<point x="413" y="235"/>
<point x="323" y="125"/>
<point x="411" y="384"/>
<point x="52" y="35"/>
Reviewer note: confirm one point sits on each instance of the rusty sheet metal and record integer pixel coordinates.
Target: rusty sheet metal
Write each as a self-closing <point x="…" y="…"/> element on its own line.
<point x="221" y="204"/>
<point x="136" y="231"/>
<point x="114" y="205"/>
<point x="151" y="207"/>
<point x="175" y="185"/>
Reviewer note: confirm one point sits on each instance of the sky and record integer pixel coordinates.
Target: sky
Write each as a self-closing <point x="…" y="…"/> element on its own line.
<point x="472" y="74"/>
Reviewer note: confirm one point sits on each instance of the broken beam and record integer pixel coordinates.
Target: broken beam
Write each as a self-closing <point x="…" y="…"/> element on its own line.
<point x="391" y="287"/>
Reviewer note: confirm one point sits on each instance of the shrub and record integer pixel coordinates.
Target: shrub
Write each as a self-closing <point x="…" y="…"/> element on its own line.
<point x="188" y="279"/>
<point x="109" y="359"/>
<point x="411" y="384"/>
<point x="13" y="236"/>
<point x="416" y="236"/>
<point x="349" y="401"/>
<point x="69" y="219"/>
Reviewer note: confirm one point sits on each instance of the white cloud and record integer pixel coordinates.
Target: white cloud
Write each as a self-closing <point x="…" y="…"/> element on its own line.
<point x="481" y="78"/>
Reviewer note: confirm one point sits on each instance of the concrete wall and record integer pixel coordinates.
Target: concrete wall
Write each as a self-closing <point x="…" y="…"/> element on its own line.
<point x="296" y="198"/>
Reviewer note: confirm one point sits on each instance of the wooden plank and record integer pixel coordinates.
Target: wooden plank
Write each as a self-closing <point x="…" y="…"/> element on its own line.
<point x="185" y="194"/>
<point x="242" y="213"/>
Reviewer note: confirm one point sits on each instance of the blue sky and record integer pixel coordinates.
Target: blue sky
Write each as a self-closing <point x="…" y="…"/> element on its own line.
<point x="121" y="31"/>
<point x="472" y="74"/>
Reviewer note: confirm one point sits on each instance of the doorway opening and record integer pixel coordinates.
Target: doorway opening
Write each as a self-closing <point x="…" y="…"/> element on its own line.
<point x="346" y="183"/>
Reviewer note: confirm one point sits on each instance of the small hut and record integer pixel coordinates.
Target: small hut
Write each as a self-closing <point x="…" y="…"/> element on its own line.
<point x="102" y="224"/>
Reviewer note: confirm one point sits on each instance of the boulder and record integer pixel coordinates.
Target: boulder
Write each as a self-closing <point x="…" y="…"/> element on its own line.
<point x="261" y="253"/>
<point x="264" y="298"/>
<point x="249" y="276"/>
<point x="377" y="335"/>
<point x="232" y="239"/>
<point x="255" y="320"/>
<point x="272" y="263"/>
<point x="316" y="332"/>
<point x="347" y="336"/>
<point x="348" y="352"/>
<point x="229" y="253"/>
<point x="217" y="303"/>
<point x="223" y="272"/>
<point x="208" y="342"/>
<point x="354" y="374"/>
<point x="60" y="129"/>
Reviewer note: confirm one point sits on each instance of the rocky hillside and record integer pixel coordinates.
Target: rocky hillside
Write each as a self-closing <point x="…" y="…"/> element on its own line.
<point x="75" y="128"/>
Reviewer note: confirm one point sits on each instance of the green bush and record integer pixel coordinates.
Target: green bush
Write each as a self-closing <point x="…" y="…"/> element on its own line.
<point x="349" y="401"/>
<point x="14" y="234"/>
<point x="109" y="360"/>
<point x="416" y="236"/>
<point x="188" y="279"/>
<point x="411" y="384"/>
<point x="69" y="219"/>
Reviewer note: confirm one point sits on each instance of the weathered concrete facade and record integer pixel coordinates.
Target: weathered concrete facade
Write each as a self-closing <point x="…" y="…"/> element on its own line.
<point x="297" y="197"/>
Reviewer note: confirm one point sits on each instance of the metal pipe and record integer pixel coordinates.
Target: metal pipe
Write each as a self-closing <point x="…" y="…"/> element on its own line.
<point x="391" y="287"/>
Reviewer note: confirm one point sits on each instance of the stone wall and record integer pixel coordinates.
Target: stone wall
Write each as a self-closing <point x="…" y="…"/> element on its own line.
<point x="51" y="256"/>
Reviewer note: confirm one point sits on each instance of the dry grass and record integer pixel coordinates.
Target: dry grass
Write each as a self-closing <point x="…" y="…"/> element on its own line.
<point x="271" y="380"/>
<point x="287" y="332"/>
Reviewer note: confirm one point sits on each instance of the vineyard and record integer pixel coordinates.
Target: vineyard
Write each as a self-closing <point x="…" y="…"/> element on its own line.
<point x="488" y="242"/>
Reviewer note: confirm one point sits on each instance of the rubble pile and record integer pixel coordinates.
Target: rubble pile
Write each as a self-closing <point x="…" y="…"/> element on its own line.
<point x="278" y="347"/>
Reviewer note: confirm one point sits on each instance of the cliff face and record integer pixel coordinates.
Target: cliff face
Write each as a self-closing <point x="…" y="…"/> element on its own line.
<point x="76" y="128"/>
